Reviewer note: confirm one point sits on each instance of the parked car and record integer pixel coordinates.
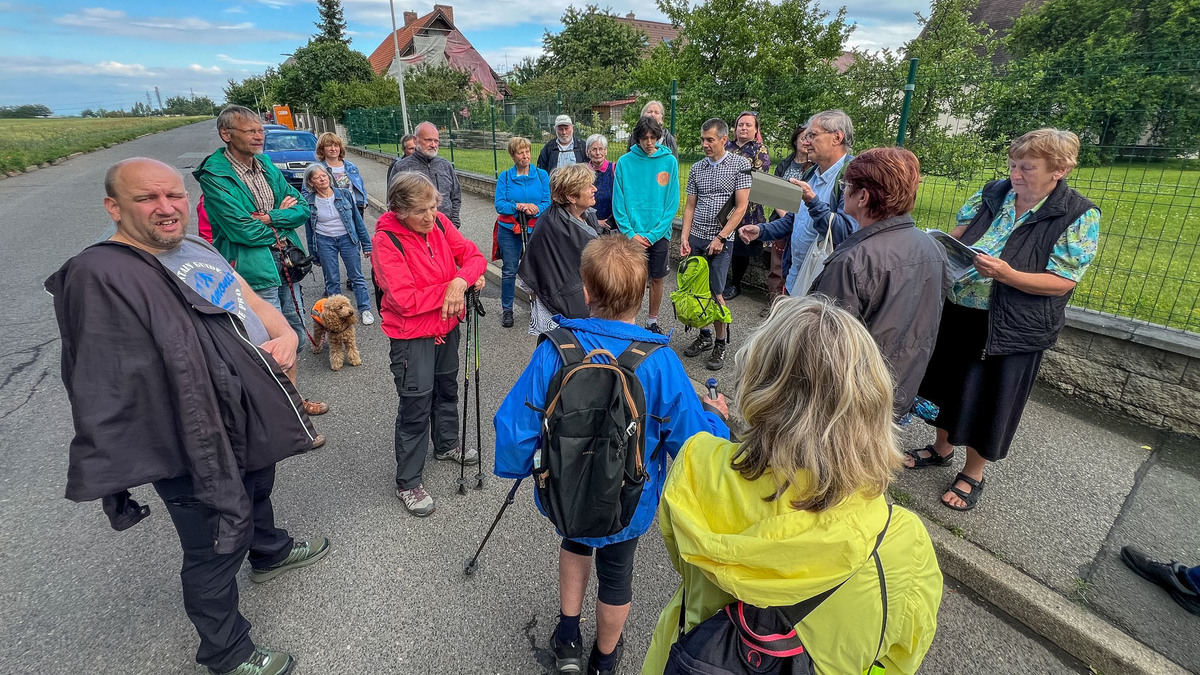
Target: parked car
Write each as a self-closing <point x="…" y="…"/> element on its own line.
<point x="269" y="127"/>
<point x="291" y="152"/>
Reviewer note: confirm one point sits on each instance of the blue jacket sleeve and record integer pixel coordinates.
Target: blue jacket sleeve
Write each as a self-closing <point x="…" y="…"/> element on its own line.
<point x="360" y="228"/>
<point x="823" y="218"/>
<point x="356" y="183"/>
<point x="671" y="395"/>
<point x="780" y="228"/>
<point x="504" y="204"/>
<point x="518" y="426"/>
<point x="544" y="199"/>
<point x="310" y="227"/>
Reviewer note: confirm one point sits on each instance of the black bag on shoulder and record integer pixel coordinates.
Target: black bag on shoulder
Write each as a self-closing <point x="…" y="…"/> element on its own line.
<point x="591" y="467"/>
<point x="742" y="639"/>
<point x="292" y="263"/>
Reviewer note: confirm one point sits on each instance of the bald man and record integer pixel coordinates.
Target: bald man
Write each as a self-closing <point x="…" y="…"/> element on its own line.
<point x="425" y="160"/>
<point x="175" y="372"/>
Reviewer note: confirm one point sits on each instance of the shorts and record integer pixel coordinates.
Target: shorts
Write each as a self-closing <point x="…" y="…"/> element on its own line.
<point x="658" y="256"/>
<point x="614" y="569"/>
<point x="718" y="265"/>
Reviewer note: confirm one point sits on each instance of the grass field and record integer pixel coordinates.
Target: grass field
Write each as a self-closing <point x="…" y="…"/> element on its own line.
<point x="1148" y="265"/>
<point x="29" y="142"/>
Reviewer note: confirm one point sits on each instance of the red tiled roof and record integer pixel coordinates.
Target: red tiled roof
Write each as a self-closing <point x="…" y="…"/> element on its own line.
<point x="656" y="31"/>
<point x="381" y="58"/>
<point x="609" y="104"/>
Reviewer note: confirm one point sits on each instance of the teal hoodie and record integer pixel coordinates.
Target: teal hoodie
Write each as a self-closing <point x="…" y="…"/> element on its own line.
<point x="646" y="193"/>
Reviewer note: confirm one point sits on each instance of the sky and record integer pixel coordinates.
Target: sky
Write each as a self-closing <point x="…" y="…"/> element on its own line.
<point x="110" y="53"/>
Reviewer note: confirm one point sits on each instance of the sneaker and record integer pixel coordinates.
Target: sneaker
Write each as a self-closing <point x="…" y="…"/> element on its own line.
<point x="1169" y="576"/>
<point x="318" y="441"/>
<point x="417" y="501"/>
<point x="656" y="329"/>
<point x="717" y="360"/>
<point x="507" y="319"/>
<point x="703" y="343"/>
<point x="594" y="659"/>
<point x="568" y="656"/>
<point x="731" y="292"/>
<point x="367" y="317"/>
<point x="314" y="408"/>
<point x="304" y="553"/>
<point x="455" y="456"/>
<point x="262" y="662"/>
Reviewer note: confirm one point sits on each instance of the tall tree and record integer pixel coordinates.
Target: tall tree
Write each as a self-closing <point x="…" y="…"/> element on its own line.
<point x="258" y="91"/>
<point x="593" y="51"/>
<point x="316" y="63"/>
<point x="332" y="25"/>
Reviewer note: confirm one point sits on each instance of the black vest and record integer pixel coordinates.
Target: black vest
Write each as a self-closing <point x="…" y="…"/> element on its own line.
<point x="1019" y="321"/>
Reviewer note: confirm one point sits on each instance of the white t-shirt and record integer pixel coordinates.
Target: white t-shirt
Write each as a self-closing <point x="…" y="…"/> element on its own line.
<point x="329" y="221"/>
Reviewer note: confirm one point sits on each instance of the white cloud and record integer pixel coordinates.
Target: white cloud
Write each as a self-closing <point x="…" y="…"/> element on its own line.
<point x="197" y="68"/>
<point x="235" y="10"/>
<point x="185" y="29"/>
<point x="889" y="36"/>
<point x="242" y="62"/>
<point x="48" y="67"/>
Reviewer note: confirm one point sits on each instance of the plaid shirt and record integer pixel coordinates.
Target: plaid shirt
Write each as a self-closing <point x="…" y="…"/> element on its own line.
<point x="256" y="181"/>
<point x="712" y="186"/>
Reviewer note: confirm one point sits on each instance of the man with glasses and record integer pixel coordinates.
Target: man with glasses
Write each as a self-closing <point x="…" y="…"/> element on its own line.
<point x="828" y="141"/>
<point x="253" y="211"/>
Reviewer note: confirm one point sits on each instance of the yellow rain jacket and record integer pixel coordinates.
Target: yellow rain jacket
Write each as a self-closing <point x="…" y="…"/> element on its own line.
<point x="728" y="543"/>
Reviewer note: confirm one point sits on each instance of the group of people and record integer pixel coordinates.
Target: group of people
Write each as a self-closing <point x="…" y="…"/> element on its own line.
<point x="792" y="515"/>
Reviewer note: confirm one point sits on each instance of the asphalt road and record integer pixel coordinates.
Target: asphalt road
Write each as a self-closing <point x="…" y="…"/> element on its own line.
<point x="78" y="597"/>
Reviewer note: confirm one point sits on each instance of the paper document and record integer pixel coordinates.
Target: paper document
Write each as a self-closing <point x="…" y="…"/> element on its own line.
<point x="961" y="256"/>
<point x="767" y="190"/>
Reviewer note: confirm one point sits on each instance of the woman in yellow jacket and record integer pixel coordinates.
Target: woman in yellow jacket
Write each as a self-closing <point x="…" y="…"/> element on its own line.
<point x="797" y="507"/>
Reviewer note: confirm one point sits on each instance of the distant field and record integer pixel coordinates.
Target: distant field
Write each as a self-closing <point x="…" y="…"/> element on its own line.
<point x="28" y="142"/>
<point x="1148" y="265"/>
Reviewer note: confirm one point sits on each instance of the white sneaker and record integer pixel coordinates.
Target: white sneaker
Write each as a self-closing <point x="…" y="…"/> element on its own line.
<point x="456" y="456"/>
<point x="367" y="317"/>
<point x="417" y="500"/>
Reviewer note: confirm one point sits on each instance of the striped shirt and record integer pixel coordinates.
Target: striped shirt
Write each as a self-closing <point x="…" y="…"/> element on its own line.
<point x="255" y="180"/>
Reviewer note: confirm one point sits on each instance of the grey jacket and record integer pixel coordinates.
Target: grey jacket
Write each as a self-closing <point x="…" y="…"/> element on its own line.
<point x="444" y="178"/>
<point x="894" y="277"/>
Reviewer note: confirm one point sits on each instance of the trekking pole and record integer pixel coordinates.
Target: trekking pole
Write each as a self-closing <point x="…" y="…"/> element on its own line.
<point x="477" y="308"/>
<point x="472" y="562"/>
<point x="523" y="223"/>
<point x="462" y="437"/>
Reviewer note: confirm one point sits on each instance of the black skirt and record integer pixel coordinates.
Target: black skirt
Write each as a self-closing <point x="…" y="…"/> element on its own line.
<point x="981" y="398"/>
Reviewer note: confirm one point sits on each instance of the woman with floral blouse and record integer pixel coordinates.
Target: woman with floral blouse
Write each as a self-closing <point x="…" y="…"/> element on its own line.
<point x="746" y="142"/>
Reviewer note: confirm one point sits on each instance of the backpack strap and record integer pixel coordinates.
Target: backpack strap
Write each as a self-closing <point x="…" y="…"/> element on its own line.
<point x="395" y="240"/>
<point x="635" y="353"/>
<point x="567" y="345"/>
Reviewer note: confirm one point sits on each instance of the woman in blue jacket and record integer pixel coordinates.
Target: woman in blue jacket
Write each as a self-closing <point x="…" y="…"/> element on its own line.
<point x="331" y="154"/>
<point x="614" y="273"/>
<point x="335" y="228"/>
<point x="523" y="189"/>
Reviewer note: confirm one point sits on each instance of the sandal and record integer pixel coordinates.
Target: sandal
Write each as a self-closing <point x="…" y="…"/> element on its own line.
<point x="313" y="408"/>
<point x="934" y="459"/>
<point x="969" y="497"/>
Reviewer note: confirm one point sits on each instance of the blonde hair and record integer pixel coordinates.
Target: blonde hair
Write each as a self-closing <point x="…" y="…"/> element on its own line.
<point x="517" y="144"/>
<point x="613" y="269"/>
<point x="569" y="181"/>
<point x="330" y="138"/>
<point x="410" y="191"/>
<point x="817" y="396"/>
<point x="1058" y="147"/>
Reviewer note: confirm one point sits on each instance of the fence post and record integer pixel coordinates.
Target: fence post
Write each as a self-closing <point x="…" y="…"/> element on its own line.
<point x="559" y="102"/>
<point x="495" y="161"/>
<point x="395" y="135"/>
<point x="450" y="129"/>
<point x="908" y="95"/>
<point x="674" y="97"/>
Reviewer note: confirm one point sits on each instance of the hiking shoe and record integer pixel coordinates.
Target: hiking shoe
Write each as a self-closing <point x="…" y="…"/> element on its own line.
<point x="568" y="656"/>
<point x="262" y="662"/>
<point x="704" y="342"/>
<point x="656" y="329"/>
<point x="314" y="408"/>
<point x="455" y="456"/>
<point x="318" y="441"/>
<point x="367" y="317"/>
<point x="417" y="501"/>
<point x="731" y="292"/>
<point x="304" y="553"/>
<point x="1169" y="576"/>
<point x="717" y="360"/>
<point x="507" y="319"/>
<point x="594" y="659"/>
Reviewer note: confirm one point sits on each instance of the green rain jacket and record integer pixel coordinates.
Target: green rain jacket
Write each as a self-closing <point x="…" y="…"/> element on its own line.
<point x="244" y="240"/>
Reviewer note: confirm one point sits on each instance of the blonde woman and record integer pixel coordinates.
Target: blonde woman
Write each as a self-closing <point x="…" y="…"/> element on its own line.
<point x="797" y="507"/>
<point x="331" y="154"/>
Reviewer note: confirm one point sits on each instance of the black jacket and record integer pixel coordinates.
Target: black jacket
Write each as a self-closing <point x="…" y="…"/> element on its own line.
<point x="550" y="266"/>
<point x="162" y="384"/>
<point x="548" y="158"/>
<point x="894" y="277"/>
<point x="443" y="175"/>
<point x="1021" y="322"/>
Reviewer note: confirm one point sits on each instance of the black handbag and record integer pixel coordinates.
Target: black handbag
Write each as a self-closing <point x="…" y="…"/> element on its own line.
<point x="292" y="263"/>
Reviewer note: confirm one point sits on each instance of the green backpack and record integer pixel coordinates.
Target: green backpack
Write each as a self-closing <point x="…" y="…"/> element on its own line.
<point x="695" y="305"/>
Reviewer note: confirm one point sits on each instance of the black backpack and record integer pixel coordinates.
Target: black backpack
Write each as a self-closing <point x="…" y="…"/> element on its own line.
<point x="742" y="639"/>
<point x="591" y="467"/>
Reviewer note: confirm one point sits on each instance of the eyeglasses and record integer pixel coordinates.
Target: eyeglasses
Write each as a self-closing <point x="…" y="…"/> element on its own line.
<point x="844" y="185"/>
<point x="253" y="131"/>
<point x="810" y="135"/>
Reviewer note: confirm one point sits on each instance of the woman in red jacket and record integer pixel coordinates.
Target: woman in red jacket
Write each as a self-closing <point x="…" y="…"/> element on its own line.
<point x="424" y="266"/>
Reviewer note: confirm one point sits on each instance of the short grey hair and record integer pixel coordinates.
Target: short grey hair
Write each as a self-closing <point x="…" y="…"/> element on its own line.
<point x="313" y="168"/>
<point x="650" y="103"/>
<point x="716" y="124"/>
<point x="231" y="114"/>
<point x="834" y="120"/>
<point x="595" y="138"/>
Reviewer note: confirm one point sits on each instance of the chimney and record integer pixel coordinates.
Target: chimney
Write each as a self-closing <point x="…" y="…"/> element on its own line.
<point x="630" y="16"/>
<point x="447" y="10"/>
<point x="409" y="17"/>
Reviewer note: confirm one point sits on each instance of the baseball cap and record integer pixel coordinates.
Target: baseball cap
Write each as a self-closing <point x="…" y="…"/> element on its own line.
<point x="562" y="120"/>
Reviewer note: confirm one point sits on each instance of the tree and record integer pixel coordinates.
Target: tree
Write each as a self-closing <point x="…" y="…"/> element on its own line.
<point x="435" y="84"/>
<point x="181" y="105"/>
<point x="332" y="25"/>
<point x="88" y="112"/>
<point x="338" y="97"/>
<point x="593" y="51"/>
<point x="250" y="91"/>
<point x="318" y="62"/>
<point x="28" y="111"/>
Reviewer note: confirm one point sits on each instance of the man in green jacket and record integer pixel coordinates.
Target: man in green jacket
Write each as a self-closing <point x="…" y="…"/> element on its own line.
<point x="251" y="207"/>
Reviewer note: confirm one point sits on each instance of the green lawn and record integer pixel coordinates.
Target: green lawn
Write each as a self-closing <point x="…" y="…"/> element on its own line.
<point x="1148" y="265"/>
<point x="28" y="142"/>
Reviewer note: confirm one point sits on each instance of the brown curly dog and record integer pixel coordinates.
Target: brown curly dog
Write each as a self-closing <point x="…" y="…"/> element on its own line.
<point x="335" y="316"/>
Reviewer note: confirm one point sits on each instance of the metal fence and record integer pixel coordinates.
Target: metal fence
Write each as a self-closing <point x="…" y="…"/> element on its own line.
<point x="1138" y="162"/>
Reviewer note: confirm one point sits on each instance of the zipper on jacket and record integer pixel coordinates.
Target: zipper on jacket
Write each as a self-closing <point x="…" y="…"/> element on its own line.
<point x="286" y="395"/>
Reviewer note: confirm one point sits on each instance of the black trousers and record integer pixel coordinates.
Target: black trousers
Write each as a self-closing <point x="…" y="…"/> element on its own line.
<point x="426" y="376"/>
<point x="210" y="592"/>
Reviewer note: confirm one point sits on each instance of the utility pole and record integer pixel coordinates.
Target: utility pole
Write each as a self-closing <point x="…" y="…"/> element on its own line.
<point x="399" y="66"/>
<point x="159" y="99"/>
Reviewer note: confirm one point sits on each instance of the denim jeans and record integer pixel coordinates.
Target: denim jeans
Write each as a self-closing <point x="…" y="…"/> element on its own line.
<point x="281" y="298"/>
<point x="328" y="249"/>
<point x="510" y="253"/>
